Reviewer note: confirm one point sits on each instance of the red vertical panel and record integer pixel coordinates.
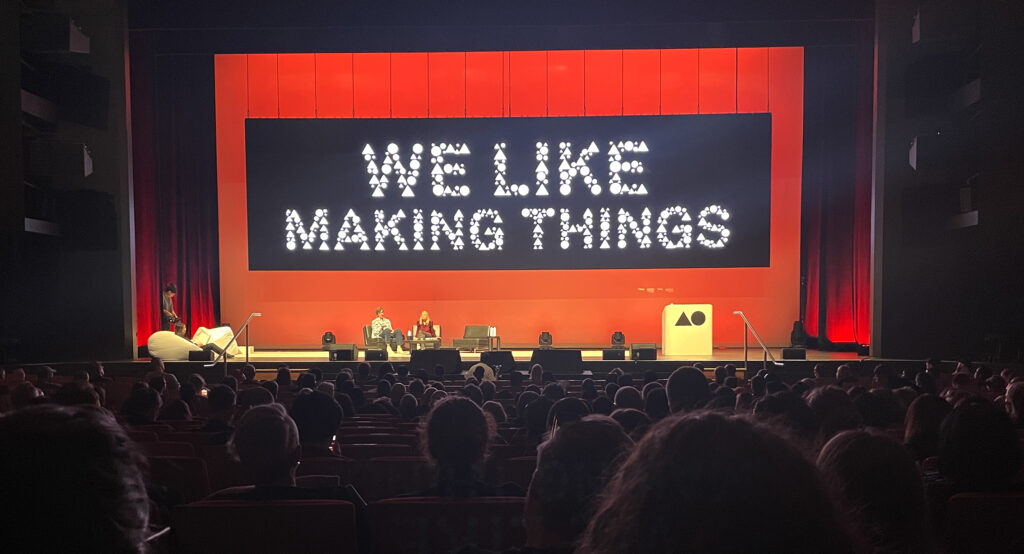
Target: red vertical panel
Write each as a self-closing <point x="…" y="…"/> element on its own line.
<point x="409" y="84"/>
<point x="447" y="85"/>
<point x="296" y="85"/>
<point x="506" y="83"/>
<point x="484" y="84"/>
<point x="371" y="80"/>
<point x="641" y="76"/>
<point x="565" y="83"/>
<point x="752" y="80"/>
<point x="333" y="85"/>
<point x="263" y="85"/>
<point x="604" y="82"/>
<point x="528" y="83"/>
<point x="679" y="81"/>
<point x="717" y="80"/>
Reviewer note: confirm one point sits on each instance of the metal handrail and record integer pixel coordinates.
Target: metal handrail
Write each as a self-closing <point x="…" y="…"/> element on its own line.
<point x="224" y="353"/>
<point x="750" y="328"/>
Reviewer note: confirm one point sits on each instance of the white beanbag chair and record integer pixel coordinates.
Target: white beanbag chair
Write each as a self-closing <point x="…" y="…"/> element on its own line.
<point x="219" y="336"/>
<point x="168" y="346"/>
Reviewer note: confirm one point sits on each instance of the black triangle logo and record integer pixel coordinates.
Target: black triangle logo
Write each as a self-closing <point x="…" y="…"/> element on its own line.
<point x="683" y="321"/>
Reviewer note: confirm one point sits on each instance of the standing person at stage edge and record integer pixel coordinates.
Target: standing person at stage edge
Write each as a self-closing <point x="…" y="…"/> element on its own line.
<point x="380" y="327"/>
<point x="169" y="318"/>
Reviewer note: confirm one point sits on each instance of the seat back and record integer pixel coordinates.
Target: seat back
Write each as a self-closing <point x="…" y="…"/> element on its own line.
<point x="985" y="522"/>
<point x="477" y="331"/>
<point x="344" y="468"/>
<point x="431" y="525"/>
<point x="367" y="451"/>
<point x="369" y="340"/>
<point x="390" y="476"/>
<point x="183" y="476"/>
<point x="166" y="448"/>
<point x="220" y="526"/>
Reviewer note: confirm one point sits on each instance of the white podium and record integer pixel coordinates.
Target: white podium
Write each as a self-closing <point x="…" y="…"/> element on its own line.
<point x="686" y="330"/>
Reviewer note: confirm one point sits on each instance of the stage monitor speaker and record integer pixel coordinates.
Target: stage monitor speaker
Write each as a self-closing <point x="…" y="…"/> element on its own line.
<point x="501" y="361"/>
<point x="376" y="355"/>
<point x="643" y="351"/>
<point x="613" y="354"/>
<point x="794" y="353"/>
<point x="200" y="356"/>
<point x="342" y="352"/>
<point x="449" y="358"/>
<point x="558" y="360"/>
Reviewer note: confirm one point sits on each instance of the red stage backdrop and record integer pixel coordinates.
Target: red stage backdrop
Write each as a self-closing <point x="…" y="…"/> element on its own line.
<point x="578" y="307"/>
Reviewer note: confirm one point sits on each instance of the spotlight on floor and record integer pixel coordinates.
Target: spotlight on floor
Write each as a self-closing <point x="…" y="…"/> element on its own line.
<point x="544" y="341"/>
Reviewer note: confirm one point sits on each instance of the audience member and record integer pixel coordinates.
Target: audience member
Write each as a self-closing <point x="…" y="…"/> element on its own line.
<point x="572" y="469"/>
<point x="628" y="397"/>
<point x="496" y="411"/>
<point x="71" y="483"/>
<point x="566" y="411"/>
<point x="273" y="387"/>
<point x="687" y="389"/>
<point x="456" y="437"/>
<point x="473" y="393"/>
<point x="977" y="431"/>
<point x="633" y="422"/>
<point x="921" y="429"/>
<point x="834" y="411"/>
<point x="317" y="417"/>
<point x="284" y="377"/>
<point x="672" y="492"/>
<point x="603" y="405"/>
<point x="221" y="402"/>
<point x="408" y="407"/>
<point x="1014" y="402"/>
<point x="878" y="485"/>
<point x="77" y="393"/>
<point x="142" y="406"/>
<point x="254" y="396"/>
<point x="656" y="404"/>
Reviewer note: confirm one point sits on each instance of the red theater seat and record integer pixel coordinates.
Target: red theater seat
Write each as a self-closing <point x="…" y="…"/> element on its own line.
<point x="380" y="438"/>
<point x="185" y="476"/>
<point x="367" y="451"/>
<point x="142" y="436"/>
<point x="387" y="477"/>
<point x="344" y="468"/>
<point x="166" y="448"/>
<point x="987" y="523"/>
<point x="515" y="470"/>
<point x="429" y="525"/>
<point x="221" y="526"/>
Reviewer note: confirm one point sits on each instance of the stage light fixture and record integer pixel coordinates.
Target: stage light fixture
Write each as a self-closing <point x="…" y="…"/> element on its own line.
<point x="544" y="341"/>
<point x="327" y="339"/>
<point x="618" y="340"/>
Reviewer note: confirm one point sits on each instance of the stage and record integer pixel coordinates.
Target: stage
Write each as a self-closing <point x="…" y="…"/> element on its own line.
<point x="719" y="356"/>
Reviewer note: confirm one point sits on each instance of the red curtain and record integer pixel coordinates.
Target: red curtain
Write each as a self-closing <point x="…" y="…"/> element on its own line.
<point x="837" y="192"/>
<point x="174" y="169"/>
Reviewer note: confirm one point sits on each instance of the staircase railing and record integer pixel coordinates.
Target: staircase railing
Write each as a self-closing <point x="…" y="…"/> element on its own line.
<point x="224" y="353"/>
<point x="748" y="329"/>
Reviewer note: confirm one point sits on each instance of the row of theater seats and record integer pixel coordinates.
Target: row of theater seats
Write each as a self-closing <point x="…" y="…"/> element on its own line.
<point x="381" y="462"/>
<point x="397" y="526"/>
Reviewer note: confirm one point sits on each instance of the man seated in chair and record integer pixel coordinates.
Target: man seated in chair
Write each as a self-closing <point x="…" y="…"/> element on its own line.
<point x="381" y="328"/>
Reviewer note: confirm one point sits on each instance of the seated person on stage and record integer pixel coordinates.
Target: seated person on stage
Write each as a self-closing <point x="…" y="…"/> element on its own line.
<point x="381" y="328"/>
<point x="424" y="328"/>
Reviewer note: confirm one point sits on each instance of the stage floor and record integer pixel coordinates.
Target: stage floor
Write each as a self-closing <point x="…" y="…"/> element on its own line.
<point x="718" y="355"/>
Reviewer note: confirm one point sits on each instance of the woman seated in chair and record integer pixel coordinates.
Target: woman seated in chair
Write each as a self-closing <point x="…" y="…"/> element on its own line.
<point x="424" y="328"/>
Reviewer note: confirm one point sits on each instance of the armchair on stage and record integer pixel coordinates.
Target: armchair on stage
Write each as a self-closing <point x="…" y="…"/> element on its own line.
<point x="371" y="342"/>
<point x="478" y="337"/>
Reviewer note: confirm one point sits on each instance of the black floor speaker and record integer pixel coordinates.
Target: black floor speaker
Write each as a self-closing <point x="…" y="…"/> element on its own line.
<point x="613" y="354"/>
<point x="342" y="352"/>
<point x="376" y="355"/>
<point x="643" y="351"/>
<point x="558" y="360"/>
<point x="449" y="358"/>
<point x="794" y="353"/>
